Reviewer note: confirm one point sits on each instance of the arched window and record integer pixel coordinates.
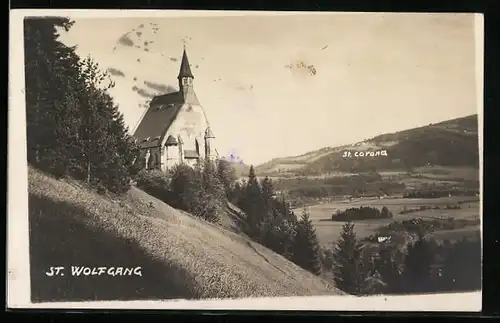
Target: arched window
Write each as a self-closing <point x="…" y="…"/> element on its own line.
<point x="197" y="146"/>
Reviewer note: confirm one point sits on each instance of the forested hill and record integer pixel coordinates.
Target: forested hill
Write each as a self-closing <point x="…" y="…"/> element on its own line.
<point x="449" y="143"/>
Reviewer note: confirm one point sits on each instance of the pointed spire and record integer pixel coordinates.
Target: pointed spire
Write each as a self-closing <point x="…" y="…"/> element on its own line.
<point x="185" y="70"/>
<point x="209" y="133"/>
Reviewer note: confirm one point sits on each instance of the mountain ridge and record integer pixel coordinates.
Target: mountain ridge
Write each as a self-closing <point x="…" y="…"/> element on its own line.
<point x="451" y="142"/>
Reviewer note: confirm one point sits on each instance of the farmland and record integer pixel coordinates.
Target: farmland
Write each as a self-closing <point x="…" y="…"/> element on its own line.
<point x="328" y="231"/>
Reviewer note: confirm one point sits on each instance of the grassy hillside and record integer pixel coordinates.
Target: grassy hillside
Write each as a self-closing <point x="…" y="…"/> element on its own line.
<point x="449" y="143"/>
<point x="181" y="256"/>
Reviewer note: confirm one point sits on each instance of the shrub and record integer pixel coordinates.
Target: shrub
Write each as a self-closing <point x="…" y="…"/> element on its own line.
<point x="155" y="183"/>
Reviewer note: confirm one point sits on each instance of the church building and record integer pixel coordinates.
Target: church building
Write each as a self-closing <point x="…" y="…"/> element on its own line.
<point x="175" y="128"/>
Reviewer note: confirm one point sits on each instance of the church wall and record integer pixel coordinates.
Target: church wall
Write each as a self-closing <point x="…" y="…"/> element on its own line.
<point x="190" y="123"/>
<point x="171" y="157"/>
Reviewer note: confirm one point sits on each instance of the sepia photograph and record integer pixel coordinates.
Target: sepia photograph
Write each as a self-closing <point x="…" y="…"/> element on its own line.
<point x="225" y="156"/>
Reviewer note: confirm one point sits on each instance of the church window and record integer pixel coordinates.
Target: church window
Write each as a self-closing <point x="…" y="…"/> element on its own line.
<point x="197" y="146"/>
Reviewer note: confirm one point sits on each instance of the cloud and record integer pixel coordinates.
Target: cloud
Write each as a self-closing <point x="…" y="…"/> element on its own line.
<point x="144" y="93"/>
<point x="125" y="40"/>
<point x="115" y="72"/>
<point x="164" y="88"/>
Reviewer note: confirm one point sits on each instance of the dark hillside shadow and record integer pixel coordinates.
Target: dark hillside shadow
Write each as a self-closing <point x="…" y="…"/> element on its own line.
<point x="57" y="239"/>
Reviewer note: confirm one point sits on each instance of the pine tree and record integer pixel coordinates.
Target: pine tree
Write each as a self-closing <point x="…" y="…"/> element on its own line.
<point x="268" y="193"/>
<point x="306" y="251"/>
<point x="389" y="266"/>
<point x="385" y="213"/>
<point x="253" y="204"/>
<point x="463" y="266"/>
<point x="235" y="193"/>
<point x="418" y="261"/>
<point x="108" y="152"/>
<point x="349" y="274"/>
<point x="226" y="175"/>
<point x="73" y="126"/>
<point x="212" y="182"/>
<point x="52" y="76"/>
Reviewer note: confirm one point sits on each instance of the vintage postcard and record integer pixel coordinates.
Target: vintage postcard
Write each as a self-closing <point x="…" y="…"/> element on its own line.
<point x="245" y="160"/>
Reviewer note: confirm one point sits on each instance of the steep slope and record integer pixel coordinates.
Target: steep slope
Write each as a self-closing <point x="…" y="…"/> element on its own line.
<point x="449" y="143"/>
<point x="181" y="256"/>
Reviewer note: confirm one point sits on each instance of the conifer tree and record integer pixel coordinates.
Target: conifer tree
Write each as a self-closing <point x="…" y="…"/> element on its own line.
<point x="268" y="193"/>
<point x="389" y="266"/>
<point x="253" y="204"/>
<point x="226" y="175"/>
<point x="52" y="78"/>
<point x="108" y="151"/>
<point x="73" y="126"/>
<point x="349" y="274"/>
<point x="463" y="265"/>
<point x="385" y="213"/>
<point x="418" y="261"/>
<point x="306" y="251"/>
<point x="235" y="193"/>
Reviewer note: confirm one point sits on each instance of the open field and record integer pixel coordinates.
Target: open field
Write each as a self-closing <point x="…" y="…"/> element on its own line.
<point x="449" y="173"/>
<point x="329" y="231"/>
<point x="181" y="256"/>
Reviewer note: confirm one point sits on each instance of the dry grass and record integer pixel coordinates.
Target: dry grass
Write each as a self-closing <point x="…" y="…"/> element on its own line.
<point x="181" y="256"/>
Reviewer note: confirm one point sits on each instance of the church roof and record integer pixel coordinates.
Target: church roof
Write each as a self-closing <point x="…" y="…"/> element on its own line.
<point x="191" y="154"/>
<point x="149" y="142"/>
<point x="185" y="70"/>
<point x="160" y="115"/>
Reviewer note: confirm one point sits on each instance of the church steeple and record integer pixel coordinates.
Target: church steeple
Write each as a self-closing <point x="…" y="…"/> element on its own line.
<point x="185" y="75"/>
<point x="186" y="80"/>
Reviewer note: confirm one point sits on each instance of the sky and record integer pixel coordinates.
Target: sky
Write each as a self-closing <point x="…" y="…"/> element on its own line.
<point x="276" y="86"/>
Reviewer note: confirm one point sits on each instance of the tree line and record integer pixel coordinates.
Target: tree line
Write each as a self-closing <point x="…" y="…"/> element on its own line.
<point x="424" y="266"/>
<point x="202" y="190"/>
<point x="362" y="213"/>
<point x="73" y="126"/>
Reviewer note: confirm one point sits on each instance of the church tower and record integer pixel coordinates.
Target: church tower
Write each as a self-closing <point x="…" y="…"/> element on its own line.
<point x="209" y="150"/>
<point x="185" y="79"/>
